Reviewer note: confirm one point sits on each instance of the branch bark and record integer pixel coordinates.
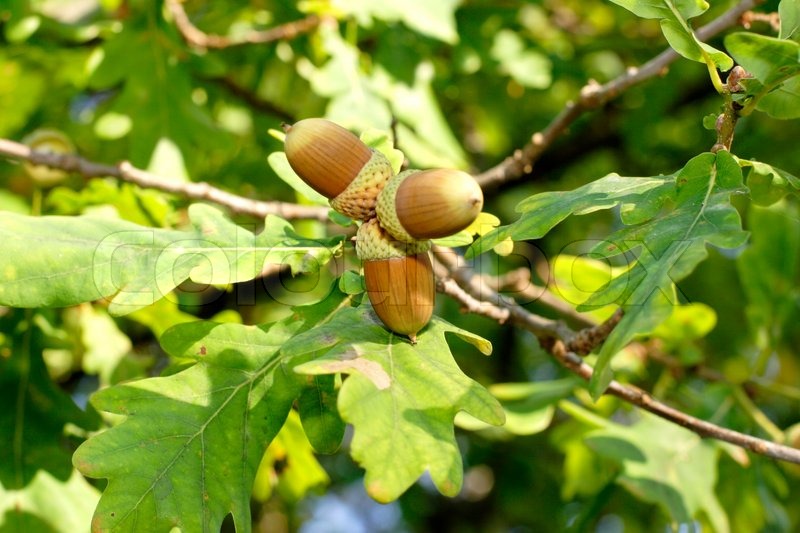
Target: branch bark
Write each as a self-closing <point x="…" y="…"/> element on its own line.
<point x="593" y="96"/>
<point x="199" y="39"/>
<point x="124" y="171"/>
<point x="462" y="284"/>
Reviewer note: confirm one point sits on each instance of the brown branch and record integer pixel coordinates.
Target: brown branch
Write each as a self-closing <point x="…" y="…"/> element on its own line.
<point x="480" y="299"/>
<point x="593" y="96"/>
<point x="197" y="38"/>
<point x="124" y="171"/>
<point x="642" y="399"/>
<point x="588" y="339"/>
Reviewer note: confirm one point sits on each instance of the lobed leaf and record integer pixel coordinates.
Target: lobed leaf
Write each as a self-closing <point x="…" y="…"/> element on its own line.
<point x="670" y="247"/>
<point x="188" y="450"/>
<point x="664" y="464"/>
<point x="401" y="398"/>
<point x="775" y="64"/>
<point x="673" y="15"/>
<point x="59" y="261"/>
<point x="32" y="427"/>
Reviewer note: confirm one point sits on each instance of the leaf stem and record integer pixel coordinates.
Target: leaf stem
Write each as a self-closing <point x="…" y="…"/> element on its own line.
<point x="757" y="415"/>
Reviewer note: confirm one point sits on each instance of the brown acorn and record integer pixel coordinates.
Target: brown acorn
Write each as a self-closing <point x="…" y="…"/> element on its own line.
<point x="399" y="279"/>
<point x="428" y="204"/>
<point x="336" y="164"/>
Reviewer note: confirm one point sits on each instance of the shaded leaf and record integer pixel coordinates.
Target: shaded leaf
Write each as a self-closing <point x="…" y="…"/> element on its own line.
<point x="401" y="398"/>
<point x="768" y="184"/>
<point x="289" y="466"/>
<point x="32" y="426"/>
<point x="665" y="464"/>
<point x="769" y="269"/>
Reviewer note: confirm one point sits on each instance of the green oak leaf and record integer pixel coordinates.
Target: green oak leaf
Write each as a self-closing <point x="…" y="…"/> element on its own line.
<point x="775" y="64"/>
<point x="639" y="200"/>
<point x="769" y="270"/>
<point x="664" y="464"/>
<point x="48" y="504"/>
<point x="670" y="246"/>
<point x="768" y="184"/>
<point x="189" y="449"/>
<point x="789" y="11"/>
<point x="56" y="261"/>
<point x="36" y="411"/>
<point x="673" y="15"/>
<point x="401" y="398"/>
<point x="187" y="453"/>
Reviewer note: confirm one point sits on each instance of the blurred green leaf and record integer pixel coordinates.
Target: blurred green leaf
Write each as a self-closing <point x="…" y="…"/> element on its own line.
<point x="435" y="19"/>
<point x="667" y="465"/>
<point x="775" y="64"/>
<point x="401" y="398"/>
<point x="674" y="15"/>
<point x="768" y="184"/>
<point x="529" y="68"/>
<point x="82" y="259"/>
<point x="789" y="11"/>
<point x="48" y="504"/>
<point x="529" y="407"/>
<point x="289" y="465"/>
<point x="32" y="427"/>
<point x="769" y="269"/>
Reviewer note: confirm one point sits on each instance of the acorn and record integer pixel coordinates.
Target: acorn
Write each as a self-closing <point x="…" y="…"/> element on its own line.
<point x="428" y="204"/>
<point x="399" y="279"/>
<point x="52" y="142"/>
<point x="336" y="164"/>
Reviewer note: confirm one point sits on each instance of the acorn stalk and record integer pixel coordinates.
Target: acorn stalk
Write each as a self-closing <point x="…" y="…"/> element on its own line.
<point x="399" y="279"/>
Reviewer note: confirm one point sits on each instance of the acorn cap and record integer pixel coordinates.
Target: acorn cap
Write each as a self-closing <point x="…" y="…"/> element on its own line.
<point x="373" y="243"/>
<point x="359" y="199"/>
<point x="428" y="204"/>
<point x="327" y="156"/>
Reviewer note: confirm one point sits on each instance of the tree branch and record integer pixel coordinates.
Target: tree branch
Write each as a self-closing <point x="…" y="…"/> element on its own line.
<point x="593" y="96"/>
<point x="480" y="299"/>
<point x="194" y="190"/>
<point x="199" y="39"/>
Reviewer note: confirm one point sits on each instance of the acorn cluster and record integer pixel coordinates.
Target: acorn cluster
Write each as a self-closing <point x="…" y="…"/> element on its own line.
<point x="399" y="213"/>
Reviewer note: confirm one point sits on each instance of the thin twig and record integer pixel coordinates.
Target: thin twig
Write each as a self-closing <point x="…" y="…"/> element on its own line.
<point x="593" y="96"/>
<point x="194" y="190"/>
<point x="197" y="38"/>
<point x="480" y="299"/>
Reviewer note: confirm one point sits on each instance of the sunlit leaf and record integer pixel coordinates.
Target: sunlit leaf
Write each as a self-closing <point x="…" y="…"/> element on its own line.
<point x="80" y="259"/>
<point x="401" y="398"/>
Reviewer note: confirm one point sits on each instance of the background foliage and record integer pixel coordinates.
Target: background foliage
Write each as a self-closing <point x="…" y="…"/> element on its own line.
<point x="196" y="355"/>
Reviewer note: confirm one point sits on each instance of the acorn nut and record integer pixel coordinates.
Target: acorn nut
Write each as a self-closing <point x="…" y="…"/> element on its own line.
<point x="336" y="164"/>
<point x="428" y="204"/>
<point x="399" y="279"/>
